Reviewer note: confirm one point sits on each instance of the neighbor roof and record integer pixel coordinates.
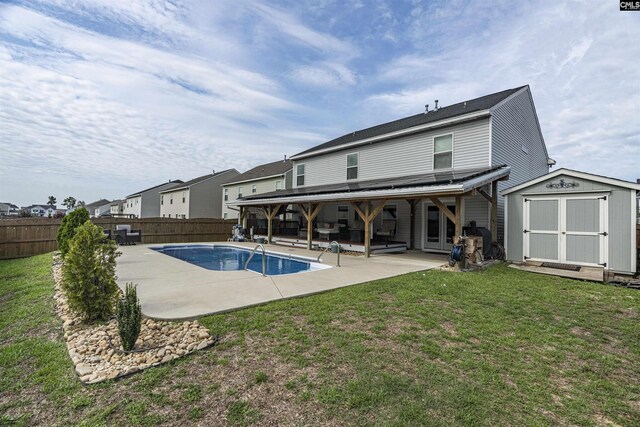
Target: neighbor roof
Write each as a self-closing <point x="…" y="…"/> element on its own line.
<point x="97" y="203"/>
<point x="455" y="181"/>
<point x="176" y="182"/>
<point x="471" y="106"/>
<point x="263" y="171"/>
<point x="195" y="181"/>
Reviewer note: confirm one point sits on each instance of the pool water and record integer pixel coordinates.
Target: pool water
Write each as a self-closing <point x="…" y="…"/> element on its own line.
<point x="229" y="258"/>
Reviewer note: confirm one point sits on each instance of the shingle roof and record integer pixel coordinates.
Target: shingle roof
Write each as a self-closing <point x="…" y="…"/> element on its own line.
<point x="176" y="182"/>
<point x="426" y="179"/>
<point x="196" y="180"/>
<point x="465" y="107"/>
<point x="97" y="203"/>
<point x="263" y="171"/>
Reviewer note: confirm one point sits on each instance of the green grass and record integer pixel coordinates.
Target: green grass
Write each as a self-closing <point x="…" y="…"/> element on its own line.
<point x="499" y="347"/>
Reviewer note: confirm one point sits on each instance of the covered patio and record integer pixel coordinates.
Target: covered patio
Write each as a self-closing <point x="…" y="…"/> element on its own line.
<point x="368" y="199"/>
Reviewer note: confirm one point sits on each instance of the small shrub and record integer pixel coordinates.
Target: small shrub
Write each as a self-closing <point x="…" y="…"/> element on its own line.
<point x="88" y="273"/>
<point x="261" y="377"/>
<point x="68" y="227"/>
<point x="129" y="316"/>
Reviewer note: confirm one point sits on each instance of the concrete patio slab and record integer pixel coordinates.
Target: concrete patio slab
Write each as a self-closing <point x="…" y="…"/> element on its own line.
<point x="170" y="288"/>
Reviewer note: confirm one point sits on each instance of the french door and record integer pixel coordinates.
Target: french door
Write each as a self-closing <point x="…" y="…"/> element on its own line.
<point x="438" y="228"/>
<point x="566" y="229"/>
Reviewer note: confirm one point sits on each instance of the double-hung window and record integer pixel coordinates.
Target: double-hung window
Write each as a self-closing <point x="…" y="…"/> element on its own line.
<point x="184" y="196"/>
<point x="254" y="189"/>
<point x="161" y="200"/>
<point x="226" y="194"/>
<point x="352" y="166"/>
<point x="239" y="192"/>
<point x="171" y="200"/>
<point x="300" y="175"/>
<point x="443" y="152"/>
<point x="278" y="185"/>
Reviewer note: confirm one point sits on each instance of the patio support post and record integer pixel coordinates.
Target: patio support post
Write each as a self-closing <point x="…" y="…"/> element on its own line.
<point x="270" y="212"/>
<point x="367" y="216"/>
<point x="458" y="217"/>
<point x="412" y="223"/>
<point x="310" y="212"/>
<point x="494" y="211"/>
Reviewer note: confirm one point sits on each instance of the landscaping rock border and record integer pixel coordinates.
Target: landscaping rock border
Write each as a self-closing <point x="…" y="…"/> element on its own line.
<point x="96" y="351"/>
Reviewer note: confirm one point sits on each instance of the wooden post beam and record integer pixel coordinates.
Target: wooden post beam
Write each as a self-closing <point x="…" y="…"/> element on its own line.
<point x="310" y="212"/>
<point x="412" y="223"/>
<point x="367" y="216"/>
<point x="458" y="217"/>
<point x="494" y="211"/>
<point x="484" y="194"/>
<point x="445" y="209"/>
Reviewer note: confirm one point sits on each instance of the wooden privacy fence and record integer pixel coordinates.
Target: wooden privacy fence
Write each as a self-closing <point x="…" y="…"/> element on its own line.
<point x="25" y="237"/>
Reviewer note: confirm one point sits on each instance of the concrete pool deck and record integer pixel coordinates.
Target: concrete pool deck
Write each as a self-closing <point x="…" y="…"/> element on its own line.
<point x="170" y="288"/>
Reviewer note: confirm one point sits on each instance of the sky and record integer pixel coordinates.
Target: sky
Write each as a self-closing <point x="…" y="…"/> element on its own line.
<point x="103" y="98"/>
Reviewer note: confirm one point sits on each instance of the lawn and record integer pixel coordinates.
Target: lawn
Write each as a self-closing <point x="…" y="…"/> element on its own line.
<point x="500" y="347"/>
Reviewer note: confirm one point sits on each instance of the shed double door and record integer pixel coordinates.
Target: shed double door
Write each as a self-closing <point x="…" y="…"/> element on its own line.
<point x="566" y="229"/>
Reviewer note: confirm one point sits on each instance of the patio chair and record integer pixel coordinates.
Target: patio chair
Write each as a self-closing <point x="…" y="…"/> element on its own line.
<point x="126" y="236"/>
<point x="107" y="233"/>
<point x="387" y="230"/>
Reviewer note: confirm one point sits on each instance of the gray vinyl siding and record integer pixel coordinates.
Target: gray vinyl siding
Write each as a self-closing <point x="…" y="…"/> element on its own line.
<point x="514" y="126"/>
<point x="621" y="244"/>
<point x="476" y="208"/>
<point x="408" y="155"/>
<point x="204" y="196"/>
<point x="150" y="201"/>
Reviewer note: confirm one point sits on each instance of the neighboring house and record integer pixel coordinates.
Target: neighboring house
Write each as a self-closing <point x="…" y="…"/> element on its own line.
<point x="98" y="207"/>
<point x="415" y="182"/>
<point x="9" y="209"/>
<point x="197" y="198"/>
<point x="573" y="217"/>
<point x="41" y="210"/>
<point x="146" y="203"/>
<point x="116" y="208"/>
<point x="274" y="176"/>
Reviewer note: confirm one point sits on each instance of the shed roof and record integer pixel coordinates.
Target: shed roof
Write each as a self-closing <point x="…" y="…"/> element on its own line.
<point x="576" y="174"/>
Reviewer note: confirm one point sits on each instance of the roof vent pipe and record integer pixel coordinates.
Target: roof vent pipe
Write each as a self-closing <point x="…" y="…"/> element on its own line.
<point x="426" y="108"/>
<point x="213" y="172"/>
<point x="436" y="108"/>
<point x="285" y="158"/>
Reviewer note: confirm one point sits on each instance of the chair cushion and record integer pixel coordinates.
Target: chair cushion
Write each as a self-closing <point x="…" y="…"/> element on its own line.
<point x="125" y="227"/>
<point x="133" y="234"/>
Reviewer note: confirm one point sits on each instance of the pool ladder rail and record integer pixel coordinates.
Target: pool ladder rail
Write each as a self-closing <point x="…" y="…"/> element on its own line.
<point x="329" y="247"/>
<point x="264" y="259"/>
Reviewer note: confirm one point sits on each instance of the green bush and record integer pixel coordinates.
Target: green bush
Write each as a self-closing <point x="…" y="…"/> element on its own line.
<point x="129" y="316"/>
<point x="68" y="228"/>
<point x="88" y="273"/>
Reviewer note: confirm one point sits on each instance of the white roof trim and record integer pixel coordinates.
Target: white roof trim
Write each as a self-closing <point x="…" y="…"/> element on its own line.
<point x="402" y="132"/>
<point x="255" y="179"/>
<point x="422" y="191"/>
<point x="575" y="174"/>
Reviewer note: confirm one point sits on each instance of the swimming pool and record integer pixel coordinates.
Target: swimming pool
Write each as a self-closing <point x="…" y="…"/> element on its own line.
<point x="232" y="258"/>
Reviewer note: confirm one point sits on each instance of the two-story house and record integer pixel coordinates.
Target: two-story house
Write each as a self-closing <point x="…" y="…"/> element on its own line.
<point x="146" y="203"/>
<point x="197" y="198"/>
<point x="98" y="208"/>
<point x="415" y="182"/>
<point x="265" y="178"/>
<point x="9" y="209"/>
<point x="41" y="210"/>
<point x="116" y="208"/>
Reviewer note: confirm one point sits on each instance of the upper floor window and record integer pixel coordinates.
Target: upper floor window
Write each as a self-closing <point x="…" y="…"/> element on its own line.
<point x="184" y="196"/>
<point x="352" y="166"/>
<point x="170" y="202"/>
<point x="300" y="175"/>
<point x="226" y="194"/>
<point x="443" y="152"/>
<point x="161" y="199"/>
<point x="254" y="189"/>
<point x="278" y="185"/>
<point x="239" y="192"/>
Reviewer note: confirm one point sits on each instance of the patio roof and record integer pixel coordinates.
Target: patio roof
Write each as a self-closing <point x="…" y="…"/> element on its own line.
<point x="434" y="183"/>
